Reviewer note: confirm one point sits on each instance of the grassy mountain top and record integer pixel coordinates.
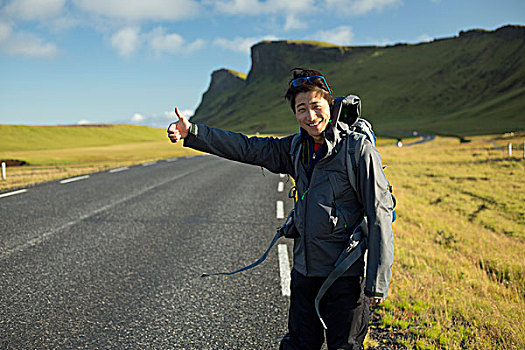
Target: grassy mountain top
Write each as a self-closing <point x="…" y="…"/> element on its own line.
<point x="303" y="42"/>
<point x="236" y="74"/>
<point x="473" y="83"/>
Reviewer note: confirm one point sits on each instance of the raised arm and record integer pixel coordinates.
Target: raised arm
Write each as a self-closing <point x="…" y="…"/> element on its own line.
<point x="269" y="152"/>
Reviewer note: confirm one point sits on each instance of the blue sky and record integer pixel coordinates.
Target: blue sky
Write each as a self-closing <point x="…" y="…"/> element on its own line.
<point x="132" y="61"/>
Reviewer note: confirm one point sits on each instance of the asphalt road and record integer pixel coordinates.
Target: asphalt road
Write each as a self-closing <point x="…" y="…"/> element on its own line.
<point x="424" y="138"/>
<point x="113" y="261"/>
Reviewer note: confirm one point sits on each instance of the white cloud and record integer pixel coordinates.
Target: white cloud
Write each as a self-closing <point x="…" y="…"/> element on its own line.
<point x="65" y="22"/>
<point x="424" y="38"/>
<point x="27" y="44"/>
<point x="195" y="46"/>
<point x="157" y="121"/>
<point x="341" y="35"/>
<point x="160" y="41"/>
<point x="237" y="7"/>
<point x="136" y="10"/>
<point x="126" y="41"/>
<point x="129" y="40"/>
<point x="173" y="43"/>
<point x="359" y="7"/>
<point x="293" y="11"/>
<point x="292" y="22"/>
<point x="256" y="7"/>
<point x="188" y="113"/>
<point x="171" y="116"/>
<point x="35" y="9"/>
<point x="5" y="31"/>
<point x="137" y="118"/>
<point x="83" y="122"/>
<point x="240" y="44"/>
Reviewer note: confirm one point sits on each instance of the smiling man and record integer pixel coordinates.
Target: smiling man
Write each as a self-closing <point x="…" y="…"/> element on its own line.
<point x="328" y="214"/>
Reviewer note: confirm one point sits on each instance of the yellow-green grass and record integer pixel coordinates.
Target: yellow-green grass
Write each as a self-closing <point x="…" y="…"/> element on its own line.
<point x="458" y="280"/>
<point x="30" y="138"/>
<point x="59" y="152"/>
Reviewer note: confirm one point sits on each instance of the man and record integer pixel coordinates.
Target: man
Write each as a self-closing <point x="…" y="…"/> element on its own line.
<point x="327" y="212"/>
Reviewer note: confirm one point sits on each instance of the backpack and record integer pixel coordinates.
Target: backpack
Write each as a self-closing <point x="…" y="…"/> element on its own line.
<point x="348" y="110"/>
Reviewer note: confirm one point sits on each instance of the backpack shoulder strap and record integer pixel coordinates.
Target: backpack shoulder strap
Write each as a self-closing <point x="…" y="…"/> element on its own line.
<point x="295" y="150"/>
<point x="353" y="152"/>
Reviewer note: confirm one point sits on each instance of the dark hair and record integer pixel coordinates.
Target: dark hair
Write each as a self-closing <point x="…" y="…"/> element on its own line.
<point x="320" y="86"/>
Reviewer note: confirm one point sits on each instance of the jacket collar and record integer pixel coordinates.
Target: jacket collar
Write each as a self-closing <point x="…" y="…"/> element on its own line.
<point x="333" y="134"/>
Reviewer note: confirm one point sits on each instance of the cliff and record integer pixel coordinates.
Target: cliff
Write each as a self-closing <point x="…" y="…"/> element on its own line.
<point x="224" y="83"/>
<point x="468" y="84"/>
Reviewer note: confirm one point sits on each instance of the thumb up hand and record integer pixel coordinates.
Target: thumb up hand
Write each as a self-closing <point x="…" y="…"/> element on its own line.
<point x="179" y="129"/>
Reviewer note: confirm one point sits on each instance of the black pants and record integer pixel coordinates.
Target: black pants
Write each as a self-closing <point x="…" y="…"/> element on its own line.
<point x="344" y="309"/>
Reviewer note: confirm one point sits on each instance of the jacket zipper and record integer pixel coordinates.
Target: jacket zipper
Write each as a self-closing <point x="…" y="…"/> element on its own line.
<point x="305" y="230"/>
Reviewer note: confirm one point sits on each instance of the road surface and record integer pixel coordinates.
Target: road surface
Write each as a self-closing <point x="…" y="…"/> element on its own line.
<point x="113" y="260"/>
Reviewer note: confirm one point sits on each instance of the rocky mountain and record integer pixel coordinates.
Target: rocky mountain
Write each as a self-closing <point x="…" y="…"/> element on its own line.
<point x="473" y="83"/>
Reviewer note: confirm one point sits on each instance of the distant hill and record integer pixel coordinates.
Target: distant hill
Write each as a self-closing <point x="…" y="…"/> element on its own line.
<point x="470" y="84"/>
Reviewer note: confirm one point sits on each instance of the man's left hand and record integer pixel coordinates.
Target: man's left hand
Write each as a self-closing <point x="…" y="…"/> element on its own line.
<point x="375" y="301"/>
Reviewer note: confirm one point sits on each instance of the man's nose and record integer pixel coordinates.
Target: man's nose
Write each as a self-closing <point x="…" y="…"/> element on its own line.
<point x="311" y="114"/>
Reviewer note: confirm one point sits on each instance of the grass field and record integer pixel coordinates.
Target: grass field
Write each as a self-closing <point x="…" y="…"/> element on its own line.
<point x="458" y="280"/>
<point x="59" y="152"/>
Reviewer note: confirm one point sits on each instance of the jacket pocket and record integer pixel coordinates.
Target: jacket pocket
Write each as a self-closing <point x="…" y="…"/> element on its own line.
<point x="334" y="223"/>
<point x="339" y="224"/>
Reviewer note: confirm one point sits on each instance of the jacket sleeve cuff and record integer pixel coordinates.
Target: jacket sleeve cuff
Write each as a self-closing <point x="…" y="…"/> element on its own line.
<point x="374" y="294"/>
<point x="193" y="129"/>
<point x="192" y="134"/>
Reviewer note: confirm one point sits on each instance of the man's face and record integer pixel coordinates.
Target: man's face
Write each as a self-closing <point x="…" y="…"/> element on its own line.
<point x="313" y="113"/>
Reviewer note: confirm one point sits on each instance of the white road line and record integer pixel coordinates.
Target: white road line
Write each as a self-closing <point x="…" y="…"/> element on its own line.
<point x="12" y="193"/>
<point x="119" y="169"/>
<point x="149" y="163"/>
<point x="284" y="269"/>
<point x="46" y="235"/>
<point x="280" y="210"/>
<point x="282" y="176"/>
<point x="172" y="159"/>
<point x="280" y="187"/>
<point x="72" y="179"/>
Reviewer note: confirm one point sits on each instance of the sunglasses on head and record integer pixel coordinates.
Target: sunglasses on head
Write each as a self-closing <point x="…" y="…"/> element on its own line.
<point x="312" y="80"/>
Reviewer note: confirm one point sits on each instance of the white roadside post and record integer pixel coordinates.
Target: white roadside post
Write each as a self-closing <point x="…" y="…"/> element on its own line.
<point x="3" y="171"/>
<point x="510" y="149"/>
